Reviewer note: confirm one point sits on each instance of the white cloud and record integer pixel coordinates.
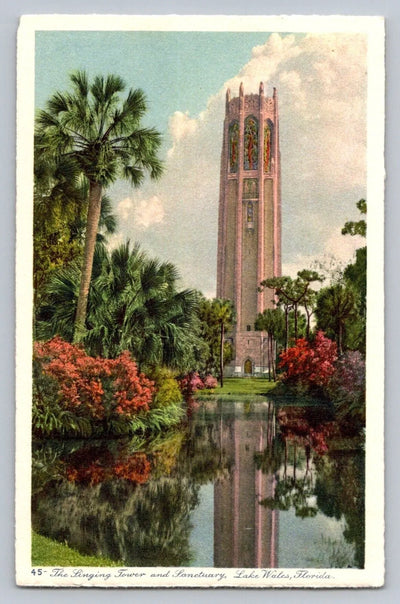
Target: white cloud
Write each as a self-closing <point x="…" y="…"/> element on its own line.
<point x="180" y="127"/>
<point x="124" y="208"/>
<point x="148" y="212"/>
<point x="142" y="213"/>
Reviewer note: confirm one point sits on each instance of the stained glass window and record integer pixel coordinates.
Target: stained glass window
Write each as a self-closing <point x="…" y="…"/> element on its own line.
<point x="251" y="143"/>
<point x="250" y="215"/>
<point x="267" y="145"/>
<point x="233" y="146"/>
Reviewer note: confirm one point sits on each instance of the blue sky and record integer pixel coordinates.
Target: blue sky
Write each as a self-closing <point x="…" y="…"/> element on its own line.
<point x="177" y="70"/>
<point x="321" y="82"/>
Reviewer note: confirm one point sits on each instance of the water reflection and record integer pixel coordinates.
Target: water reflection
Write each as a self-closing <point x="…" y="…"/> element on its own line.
<point x="288" y="490"/>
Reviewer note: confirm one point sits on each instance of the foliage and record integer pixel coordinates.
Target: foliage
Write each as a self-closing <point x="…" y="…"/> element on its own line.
<point x="308" y="366"/>
<point x="272" y="320"/>
<point x="336" y="311"/>
<point x="168" y="391"/>
<point x="210" y="382"/>
<point x="134" y="305"/>
<point x="355" y="276"/>
<point x="292" y="293"/>
<point x="94" y="390"/>
<point x="347" y="388"/>
<point x="102" y="137"/>
<point x="216" y="318"/>
<point x="59" y="212"/>
<point x="360" y="227"/>
<point x="157" y="420"/>
<point x="332" y="553"/>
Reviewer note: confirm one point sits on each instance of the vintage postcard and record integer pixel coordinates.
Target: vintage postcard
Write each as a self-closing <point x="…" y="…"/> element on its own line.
<point x="200" y="301"/>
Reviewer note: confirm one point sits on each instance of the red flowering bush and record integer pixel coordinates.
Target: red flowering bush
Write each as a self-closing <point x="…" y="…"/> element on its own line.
<point x="308" y="366"/>
<point x="94" y="388"/>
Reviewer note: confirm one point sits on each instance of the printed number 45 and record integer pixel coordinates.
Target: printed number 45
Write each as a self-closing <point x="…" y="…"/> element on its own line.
<point x="36" y="571"/>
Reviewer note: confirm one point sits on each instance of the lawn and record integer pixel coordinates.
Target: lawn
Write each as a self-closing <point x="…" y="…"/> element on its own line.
<point x="46" y="552"/>
<point x="239" y="386"/>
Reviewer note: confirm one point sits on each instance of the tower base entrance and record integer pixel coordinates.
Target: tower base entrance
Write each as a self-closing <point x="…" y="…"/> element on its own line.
<point x="251" y="355"/>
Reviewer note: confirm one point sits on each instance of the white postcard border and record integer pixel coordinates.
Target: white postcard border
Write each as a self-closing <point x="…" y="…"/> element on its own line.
<point x="373" y="573"/>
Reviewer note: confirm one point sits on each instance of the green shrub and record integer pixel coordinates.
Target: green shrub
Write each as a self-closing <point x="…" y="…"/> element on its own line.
<point x="167" y="388"/>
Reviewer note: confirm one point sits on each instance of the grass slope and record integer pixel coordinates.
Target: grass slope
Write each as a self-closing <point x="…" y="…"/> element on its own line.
<point x="46" y="552"/>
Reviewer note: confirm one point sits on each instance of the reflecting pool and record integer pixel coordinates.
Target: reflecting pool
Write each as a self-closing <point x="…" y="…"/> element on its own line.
<point x="264" y="484"/>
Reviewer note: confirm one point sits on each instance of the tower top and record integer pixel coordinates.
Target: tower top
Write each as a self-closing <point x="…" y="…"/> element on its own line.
<point x="251" y="103"/>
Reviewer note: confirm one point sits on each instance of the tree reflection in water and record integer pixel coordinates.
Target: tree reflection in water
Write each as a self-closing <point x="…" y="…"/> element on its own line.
<point x="310" y="442"/>
<point x="129" y="506"/>
<point x="132" y="501"/>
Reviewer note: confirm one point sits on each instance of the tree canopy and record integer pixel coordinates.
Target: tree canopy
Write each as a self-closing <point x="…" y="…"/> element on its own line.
<point x="101" y="137"/>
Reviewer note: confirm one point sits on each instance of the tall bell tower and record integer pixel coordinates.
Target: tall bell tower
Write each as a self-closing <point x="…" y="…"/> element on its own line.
<point x="249" y="225"/>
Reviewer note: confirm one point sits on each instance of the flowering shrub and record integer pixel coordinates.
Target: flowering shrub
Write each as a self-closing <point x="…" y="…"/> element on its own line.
<point x="94" y="388"/>
<point x="308" y="366"/>
<point x="210" y="382"/>
<point x="190" y="384"/>
<point x="347" y="387"/>
<point x="193" y="382"/>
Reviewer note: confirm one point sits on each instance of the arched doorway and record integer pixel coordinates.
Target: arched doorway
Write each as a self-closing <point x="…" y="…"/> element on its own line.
<point x="248" y="367"/>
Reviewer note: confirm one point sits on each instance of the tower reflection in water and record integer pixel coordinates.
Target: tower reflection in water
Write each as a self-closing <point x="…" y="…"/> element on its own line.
<point x="245" y="532"/>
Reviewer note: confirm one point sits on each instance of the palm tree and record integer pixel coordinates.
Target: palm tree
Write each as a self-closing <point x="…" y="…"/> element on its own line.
<point x="223" y="315"/>
<point x="102" y="135"/>
<point x="133" y="304"/>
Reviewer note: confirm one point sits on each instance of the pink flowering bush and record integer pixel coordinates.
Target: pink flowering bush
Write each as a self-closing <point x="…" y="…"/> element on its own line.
<point x="210" y="382"/>
<point x="346" y="388"/>
<point x="190" y="383"/>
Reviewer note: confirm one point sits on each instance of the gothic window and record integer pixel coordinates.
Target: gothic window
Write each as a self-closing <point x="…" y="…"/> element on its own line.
<point x="233" y="146"/>
<point x="267" y="145"/>
<point x="250" y="143"/>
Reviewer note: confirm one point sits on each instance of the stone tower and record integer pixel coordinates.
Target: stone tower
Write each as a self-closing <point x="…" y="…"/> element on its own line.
<point x="249" y="227"/>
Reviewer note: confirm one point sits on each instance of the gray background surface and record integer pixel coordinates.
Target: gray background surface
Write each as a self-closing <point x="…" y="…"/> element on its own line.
<point x="10" y="12"/>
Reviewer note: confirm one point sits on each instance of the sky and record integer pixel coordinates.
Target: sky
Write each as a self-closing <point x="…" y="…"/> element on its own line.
<point x="321" y="81"/>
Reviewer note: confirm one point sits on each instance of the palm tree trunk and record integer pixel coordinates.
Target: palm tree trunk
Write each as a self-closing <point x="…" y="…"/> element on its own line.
<point x="221" y="359"/>
<point x="93" y="217"/>
<point x="273" y="359"/>
<point x="269" y="358"/>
